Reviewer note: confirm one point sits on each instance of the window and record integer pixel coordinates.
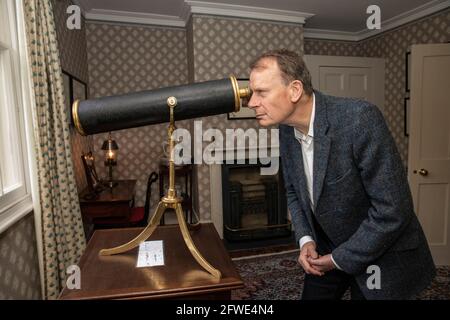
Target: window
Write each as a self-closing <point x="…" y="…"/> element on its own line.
<point x="15" y="195"/>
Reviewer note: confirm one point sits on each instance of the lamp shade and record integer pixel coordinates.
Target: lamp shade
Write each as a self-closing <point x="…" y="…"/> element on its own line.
<point x="110" y="145"/>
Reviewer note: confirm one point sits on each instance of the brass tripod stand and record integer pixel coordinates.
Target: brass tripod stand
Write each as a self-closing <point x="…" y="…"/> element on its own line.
<point x="172" y="201"/>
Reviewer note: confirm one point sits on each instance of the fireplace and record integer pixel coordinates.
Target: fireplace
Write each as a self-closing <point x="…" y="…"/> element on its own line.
<point x="254" y="205"/>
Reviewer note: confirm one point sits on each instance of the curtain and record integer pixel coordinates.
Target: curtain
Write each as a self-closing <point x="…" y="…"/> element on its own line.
<point x="63" y="237"/>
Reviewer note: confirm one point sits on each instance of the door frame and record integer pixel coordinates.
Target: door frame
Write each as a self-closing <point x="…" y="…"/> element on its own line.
<point x="376" y="65"/>
<point x="419" y="52"/>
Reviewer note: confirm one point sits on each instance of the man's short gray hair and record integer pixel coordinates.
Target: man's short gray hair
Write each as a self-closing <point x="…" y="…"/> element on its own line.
<point x="292" y="67"/>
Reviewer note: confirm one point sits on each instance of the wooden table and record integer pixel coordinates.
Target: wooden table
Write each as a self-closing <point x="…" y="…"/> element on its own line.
<point x="113" y="202"/>
<point x="117" y="277"/>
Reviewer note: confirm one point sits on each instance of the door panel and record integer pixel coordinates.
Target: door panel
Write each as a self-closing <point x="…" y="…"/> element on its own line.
<point x="434" y="221"/>
<point x="429" y="145"/>
<point x="354" y="77"/>
<point x="346" y="82"/>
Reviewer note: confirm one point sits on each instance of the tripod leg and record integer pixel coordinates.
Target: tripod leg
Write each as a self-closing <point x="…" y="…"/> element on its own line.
<point x="144" y="235"/>
<point x="191" y="246"/>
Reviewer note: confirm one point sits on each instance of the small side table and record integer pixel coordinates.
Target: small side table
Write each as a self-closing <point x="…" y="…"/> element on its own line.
<point x="113" y="203"/>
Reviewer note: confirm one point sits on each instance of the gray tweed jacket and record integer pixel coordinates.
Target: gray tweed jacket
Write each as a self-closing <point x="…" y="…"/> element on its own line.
<point x="361" y="196"/>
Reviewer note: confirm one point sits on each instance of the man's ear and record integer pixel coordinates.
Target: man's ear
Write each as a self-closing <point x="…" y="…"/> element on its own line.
<point x="295" y="90"/>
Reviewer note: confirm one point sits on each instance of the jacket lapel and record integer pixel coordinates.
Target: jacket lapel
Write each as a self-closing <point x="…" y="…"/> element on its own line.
<point x="299" y="170"/>
<point x="321" y="146"/>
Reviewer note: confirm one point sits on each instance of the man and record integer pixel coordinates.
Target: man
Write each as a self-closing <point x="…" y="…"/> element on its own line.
<point x="347" y="191"/>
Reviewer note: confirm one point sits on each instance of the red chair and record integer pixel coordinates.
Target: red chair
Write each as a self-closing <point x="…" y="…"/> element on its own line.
<point x="138" y="216"/>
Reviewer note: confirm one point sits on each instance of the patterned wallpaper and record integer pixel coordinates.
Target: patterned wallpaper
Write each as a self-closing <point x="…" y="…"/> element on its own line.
<point x="332" y="48"/>
<point x="391" y="46"/>
<point x="129" y="58"/>
<point x="72" y="47"/>
<point x="224" y="46"/>
<point x="19" y="269"/>
<point x="72" y="42"/>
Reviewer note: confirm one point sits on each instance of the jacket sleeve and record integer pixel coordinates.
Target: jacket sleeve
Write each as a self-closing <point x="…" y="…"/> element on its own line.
<point x="299" y="220"/>
<point x="384" y="179"/>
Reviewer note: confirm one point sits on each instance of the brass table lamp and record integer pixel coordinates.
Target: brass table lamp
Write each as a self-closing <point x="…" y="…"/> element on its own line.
<point x="110" y="148"/>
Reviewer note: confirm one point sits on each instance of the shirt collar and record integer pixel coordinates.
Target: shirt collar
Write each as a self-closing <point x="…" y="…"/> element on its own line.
<point x="298" y="134"/>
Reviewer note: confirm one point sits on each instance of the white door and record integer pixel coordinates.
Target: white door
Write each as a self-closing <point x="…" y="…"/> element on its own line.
<point x="429" y="145"/>
<point x="353" y="77"/>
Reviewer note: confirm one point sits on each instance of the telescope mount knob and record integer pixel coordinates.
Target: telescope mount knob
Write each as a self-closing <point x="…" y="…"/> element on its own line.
<point x="172" y="101"/>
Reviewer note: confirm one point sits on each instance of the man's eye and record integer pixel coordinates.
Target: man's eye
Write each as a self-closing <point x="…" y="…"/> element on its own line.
<point x="259" y="93"/>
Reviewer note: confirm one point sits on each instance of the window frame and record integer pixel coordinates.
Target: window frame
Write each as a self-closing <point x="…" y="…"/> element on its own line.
<point x="18" y="203"/>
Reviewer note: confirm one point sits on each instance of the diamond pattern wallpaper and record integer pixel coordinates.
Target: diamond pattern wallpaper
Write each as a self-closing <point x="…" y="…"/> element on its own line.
<point x="19" y="269"/>
<point x="72" y="42"/>
<point x="130" y="58"/>
<point x="332" y="48"/>
<point x="72" y="47"/>
<point x="391" y="46"/>
<point x="223" y="46"/>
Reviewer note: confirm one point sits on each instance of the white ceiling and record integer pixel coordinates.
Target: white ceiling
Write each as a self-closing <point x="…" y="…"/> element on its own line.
<point x="341" y="16"/>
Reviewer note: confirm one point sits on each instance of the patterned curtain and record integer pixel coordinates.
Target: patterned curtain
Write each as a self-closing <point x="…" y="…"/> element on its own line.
<point x="62" y="228"/>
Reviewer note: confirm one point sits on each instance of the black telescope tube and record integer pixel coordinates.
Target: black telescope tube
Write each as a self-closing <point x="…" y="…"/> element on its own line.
<point x="150" y="107"/>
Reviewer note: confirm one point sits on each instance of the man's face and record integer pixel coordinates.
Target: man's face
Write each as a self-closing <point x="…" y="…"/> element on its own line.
<point x="271" y="97"/>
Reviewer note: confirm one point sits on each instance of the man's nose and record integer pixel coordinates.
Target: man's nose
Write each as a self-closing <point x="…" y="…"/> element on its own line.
<point x="252" y="103"/>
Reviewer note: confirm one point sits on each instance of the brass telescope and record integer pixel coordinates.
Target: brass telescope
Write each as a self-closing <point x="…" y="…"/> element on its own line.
<point x="159" y="106"/>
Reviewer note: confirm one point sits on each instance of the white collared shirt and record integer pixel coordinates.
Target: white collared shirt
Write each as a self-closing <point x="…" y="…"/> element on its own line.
<point x="307" y="143"/>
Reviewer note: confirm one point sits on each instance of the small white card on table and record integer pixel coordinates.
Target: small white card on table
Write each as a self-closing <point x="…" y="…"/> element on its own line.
<point x="150" y="254"/>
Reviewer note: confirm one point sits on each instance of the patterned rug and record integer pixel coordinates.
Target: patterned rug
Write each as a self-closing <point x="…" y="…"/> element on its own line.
<point x="280" y="277"/>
